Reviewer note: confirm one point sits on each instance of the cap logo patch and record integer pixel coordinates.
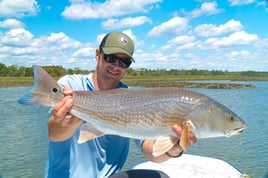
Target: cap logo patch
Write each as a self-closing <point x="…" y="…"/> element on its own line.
<point x="123" y="40"/>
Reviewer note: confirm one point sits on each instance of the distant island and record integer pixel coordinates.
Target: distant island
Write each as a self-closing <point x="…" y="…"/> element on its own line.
<point x="188" y="84"/>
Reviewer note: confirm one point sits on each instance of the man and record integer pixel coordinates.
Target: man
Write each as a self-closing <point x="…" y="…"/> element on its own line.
<point x="106" y="155"/>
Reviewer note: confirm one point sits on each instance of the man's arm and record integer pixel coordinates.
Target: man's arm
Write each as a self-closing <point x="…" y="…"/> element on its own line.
<point x="176" y="150"/>
<point x="61" y="124"/>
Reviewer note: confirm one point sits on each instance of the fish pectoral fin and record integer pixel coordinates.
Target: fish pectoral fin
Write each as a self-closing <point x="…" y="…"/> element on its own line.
<point x="88" y="132"/>
<point x="163" y="144"/>
<point x="184" y="139"/>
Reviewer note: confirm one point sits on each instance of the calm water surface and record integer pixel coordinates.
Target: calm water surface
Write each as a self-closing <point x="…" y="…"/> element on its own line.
<point x="23" y="134"/>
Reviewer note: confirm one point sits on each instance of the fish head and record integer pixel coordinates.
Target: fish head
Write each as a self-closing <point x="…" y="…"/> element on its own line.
<point x="48" y="97"/>
<point x="212" y="119"/>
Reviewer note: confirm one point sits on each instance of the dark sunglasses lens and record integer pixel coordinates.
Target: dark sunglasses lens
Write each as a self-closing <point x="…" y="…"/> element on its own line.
<point x="109" y="58"/>
<point x="123" y="62"/>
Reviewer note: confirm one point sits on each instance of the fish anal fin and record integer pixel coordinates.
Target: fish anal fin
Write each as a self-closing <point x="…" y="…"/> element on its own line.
<point x="184" y="139"/>
<point x="163" y="144"/>
<point x="88" y="132"/>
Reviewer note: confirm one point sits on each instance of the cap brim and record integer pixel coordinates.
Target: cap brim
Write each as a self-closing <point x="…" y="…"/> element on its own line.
<point x="113" y="50"/>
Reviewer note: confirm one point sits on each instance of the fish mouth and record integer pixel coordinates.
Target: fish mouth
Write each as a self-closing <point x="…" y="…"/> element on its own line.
<point x="235" y="131"/>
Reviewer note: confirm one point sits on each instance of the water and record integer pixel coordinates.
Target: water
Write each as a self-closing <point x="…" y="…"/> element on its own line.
<point x="24" y="140"/>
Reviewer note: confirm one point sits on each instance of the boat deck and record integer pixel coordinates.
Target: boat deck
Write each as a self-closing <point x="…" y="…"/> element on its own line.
<point x="195" y="167"/>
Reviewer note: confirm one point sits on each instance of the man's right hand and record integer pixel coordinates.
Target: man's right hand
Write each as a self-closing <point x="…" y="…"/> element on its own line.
<point x="61" y="124"/>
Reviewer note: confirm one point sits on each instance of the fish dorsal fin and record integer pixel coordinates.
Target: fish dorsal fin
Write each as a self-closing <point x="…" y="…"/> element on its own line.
<point x="163" y="144"/>
<point x="88" y="132"/>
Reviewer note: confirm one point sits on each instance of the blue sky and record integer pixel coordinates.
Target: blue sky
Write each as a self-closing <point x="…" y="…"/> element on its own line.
<point x="169" y="34"/>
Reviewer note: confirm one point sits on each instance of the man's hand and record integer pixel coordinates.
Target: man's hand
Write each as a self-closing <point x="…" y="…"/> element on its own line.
<point x="62" y="124"/>
<point x="176" y="150"/>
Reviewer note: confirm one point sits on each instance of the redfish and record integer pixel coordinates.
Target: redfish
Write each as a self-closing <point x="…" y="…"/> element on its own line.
<point x="140" y="114"/>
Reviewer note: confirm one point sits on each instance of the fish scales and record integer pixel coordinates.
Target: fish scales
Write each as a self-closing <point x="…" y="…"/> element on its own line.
<point x="125" y="108"/>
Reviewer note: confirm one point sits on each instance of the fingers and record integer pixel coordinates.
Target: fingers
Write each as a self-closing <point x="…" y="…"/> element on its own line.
<point x="60" y="110"/>
<point x="178" y="130"/>
<point x="67" y="91"/>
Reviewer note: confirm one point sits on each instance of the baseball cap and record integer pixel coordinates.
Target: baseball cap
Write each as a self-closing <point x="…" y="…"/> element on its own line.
<point x="117" y="42"/>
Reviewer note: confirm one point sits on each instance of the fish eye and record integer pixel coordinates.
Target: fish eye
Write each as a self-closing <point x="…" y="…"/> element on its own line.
<point x="231" y="119"/>
<point x="54" y="90"/>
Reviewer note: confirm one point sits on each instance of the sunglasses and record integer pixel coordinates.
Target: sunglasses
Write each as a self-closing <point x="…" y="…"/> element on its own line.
<point x="123" y="62"/>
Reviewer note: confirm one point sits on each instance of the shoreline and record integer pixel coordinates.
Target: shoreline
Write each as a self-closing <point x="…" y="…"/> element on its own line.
<point x="151" y="83"/>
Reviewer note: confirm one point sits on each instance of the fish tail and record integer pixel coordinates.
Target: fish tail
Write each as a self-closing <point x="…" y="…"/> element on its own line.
<point x="41" y="91"/>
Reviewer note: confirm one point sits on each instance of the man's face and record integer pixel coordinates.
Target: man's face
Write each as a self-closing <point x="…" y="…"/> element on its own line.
<point x="111" y="67"/>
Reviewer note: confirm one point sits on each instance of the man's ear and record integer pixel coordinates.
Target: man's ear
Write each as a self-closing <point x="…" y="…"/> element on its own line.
<point x="98" y="53"/>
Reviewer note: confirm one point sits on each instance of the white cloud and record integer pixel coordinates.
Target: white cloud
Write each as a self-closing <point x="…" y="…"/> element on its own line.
<point x="207" y="8"/>
<point x="16" y="37"/>
<point x="61" y="41"/>
<point x="188" y="46"/>
<point x="85" y="52"/>
<point x="181" y="40"/>
<point x="237" y="38"/>
<point x="112" y="24"/>
<point x="18" y="8"/>
<point x="19" y="46"/>
<point x="86" y="9"/>
<point x="172" y="27"/>
<point x="206" y="30"/>
<point x="11" y="23"/>
<point x="239" y="54"/>
<point x="240" y="2"/>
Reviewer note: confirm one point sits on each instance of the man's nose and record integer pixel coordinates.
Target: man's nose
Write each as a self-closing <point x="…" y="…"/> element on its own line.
<point x="116" y="63"/>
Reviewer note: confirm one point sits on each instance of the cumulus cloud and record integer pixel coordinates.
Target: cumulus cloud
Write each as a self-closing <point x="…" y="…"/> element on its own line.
<point x="239" y="54"/>
<point x="84" y="9"/>
<point x="84" y="52"/>
<point x="182" y="41"/>
<point x="18" y="8"/>
<point x="62" y="41"/>
<point x="206" y="30"/>
<point x="207" y="8"/>
<point x="23" y="47"/>
<point x="17" y="37"/>
<point x="236" y="38"/>
<point x="11" y="23"/>
<point x="171" y="27"/>
<point x="112" y="24"/>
